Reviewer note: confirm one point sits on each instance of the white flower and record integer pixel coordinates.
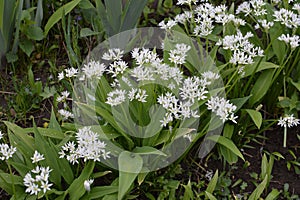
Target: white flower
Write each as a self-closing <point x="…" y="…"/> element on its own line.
<point x="297" y="7"/>
<point x="116" y="97"/>
<point x="288" y="121"/>
<point x="264" y="24"/>
<point x="71" y="72"/>
<point x="6" y="151"/>
<point x="65" y="114"/>
<point x="37" y="180"/>
<point x="178" y="54"/>
<point x="37" y="157"/>
<point x="117" y="67"/>
<point x="244" y="8"/>
<point x="63" y="97"/>
<point x="93" y="69"/>
<point x="87" y="184"/>
<point x="293" y="41"/>
<point x="113" y="54"/>
<point x="187" y="2"/>
<point x="222" y="108"/>
<point x="287" y="18"/>
<point x="61" y="76"/>
<point x="168" y="25"/>
<point x="87" y="146"/>
<point x="1" y="135"/>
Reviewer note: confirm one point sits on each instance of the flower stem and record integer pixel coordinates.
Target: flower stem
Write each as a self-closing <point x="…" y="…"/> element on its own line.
<point x="284" y="137"/>
<point x="12" y="180"/>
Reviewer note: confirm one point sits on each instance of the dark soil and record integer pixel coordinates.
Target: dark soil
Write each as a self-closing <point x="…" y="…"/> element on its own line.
<point x="281" y="174"/>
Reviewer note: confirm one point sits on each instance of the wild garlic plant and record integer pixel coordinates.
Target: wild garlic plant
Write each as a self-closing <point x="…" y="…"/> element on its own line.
<point x="255" y="45"/>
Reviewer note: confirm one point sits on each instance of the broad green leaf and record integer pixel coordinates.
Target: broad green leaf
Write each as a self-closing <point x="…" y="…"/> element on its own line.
<point x="228" y="130"/>
<point x="76" y="189"/>
<point x="34" y="33"/>
<point x="227" y="143"/>
<point x="85" y="32"/>
<point x="98" y="192"/>
<point x="259" y="189"/>
<point x="278" y="47"/>
<point x="210" y="196"/>
<point x="55" y="17"/>
<point x="264" y="167"/>
<point x="27" y="47"/>
<point x="6" y="181"/>
<point x="229" y="156"/>
<point x="213" y="183"/>
<point x="297" y="85"/>
<point x="255" y="116"/>
<point x="130" y="165"/>
<point x="50" y="154"/>
<point x="239" y="102"/>
<point x="39" y="13"/>
<point x="263" y="66"/>
<point x="48" y="132"/>
<point x="188" y="191"/>
<point x="146" y="150"/>
<point x="261" y="86"/>
<point x="131" y="14"/>
<point x="273" y="195"/>
<point x="53" y="124"/>
<point x="114" y="14"/>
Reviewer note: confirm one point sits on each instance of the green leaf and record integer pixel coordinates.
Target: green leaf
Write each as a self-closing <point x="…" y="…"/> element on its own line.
<point x="130" y="165"/>
<point x="263" y="66"/>
<point x="132" y="13"/>
<point x="48" y="92"/>
<point x="227" y="143"/>
<point x="228" y="130"/>
<point x="55" y="17"/>
<point x="297" y="85"/>
<point x="39" y="13"/>
<point x="53" y="124"/>
<point x="34" y="33"/>
<point x="213" y="183"/>
<point x="255" y="116"/>
<point x="27" y="47"/>
<point x="50" y="154"/>
<point x="188" y="192"/>
<point x="239" y="102"/>
<point x="146" y="150"/>
<point x="76" y="189"/>
<point x="259" y="189"/>
<point x="210" y="196"/>
<point x="261" y="86"/>
<point x="228" y="155"/>
<point x="98" y="192"/>
<point x="85" y="32"/>
<point x="273" y="195"/>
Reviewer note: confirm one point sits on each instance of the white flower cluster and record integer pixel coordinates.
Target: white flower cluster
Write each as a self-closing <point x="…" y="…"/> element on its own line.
<point x="243" y="50"/>
<point x="205" y="15"/>
<point x="193" y="89"/>
<point x="63" y="97"/>
<point x="293" y="41"/>
<point x="65" y="114"/>
<point x="113" y="54"/>
<point x="222" y="108"/>
<point x="253" y="6"/>
<point x="68" y="73"/>
<point x="6" y="151"/>
<point x="37" y="157"/>
<point x="150" y="68"/>
<point x="93" y="70"/>
<point x="178" y="55"/>
<point x="87" y="146"/>
<point x="287" y="18"/>
<point x="37" y="180"/>
<point x="264" y="24"/>
<point x="288" y="121"/>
